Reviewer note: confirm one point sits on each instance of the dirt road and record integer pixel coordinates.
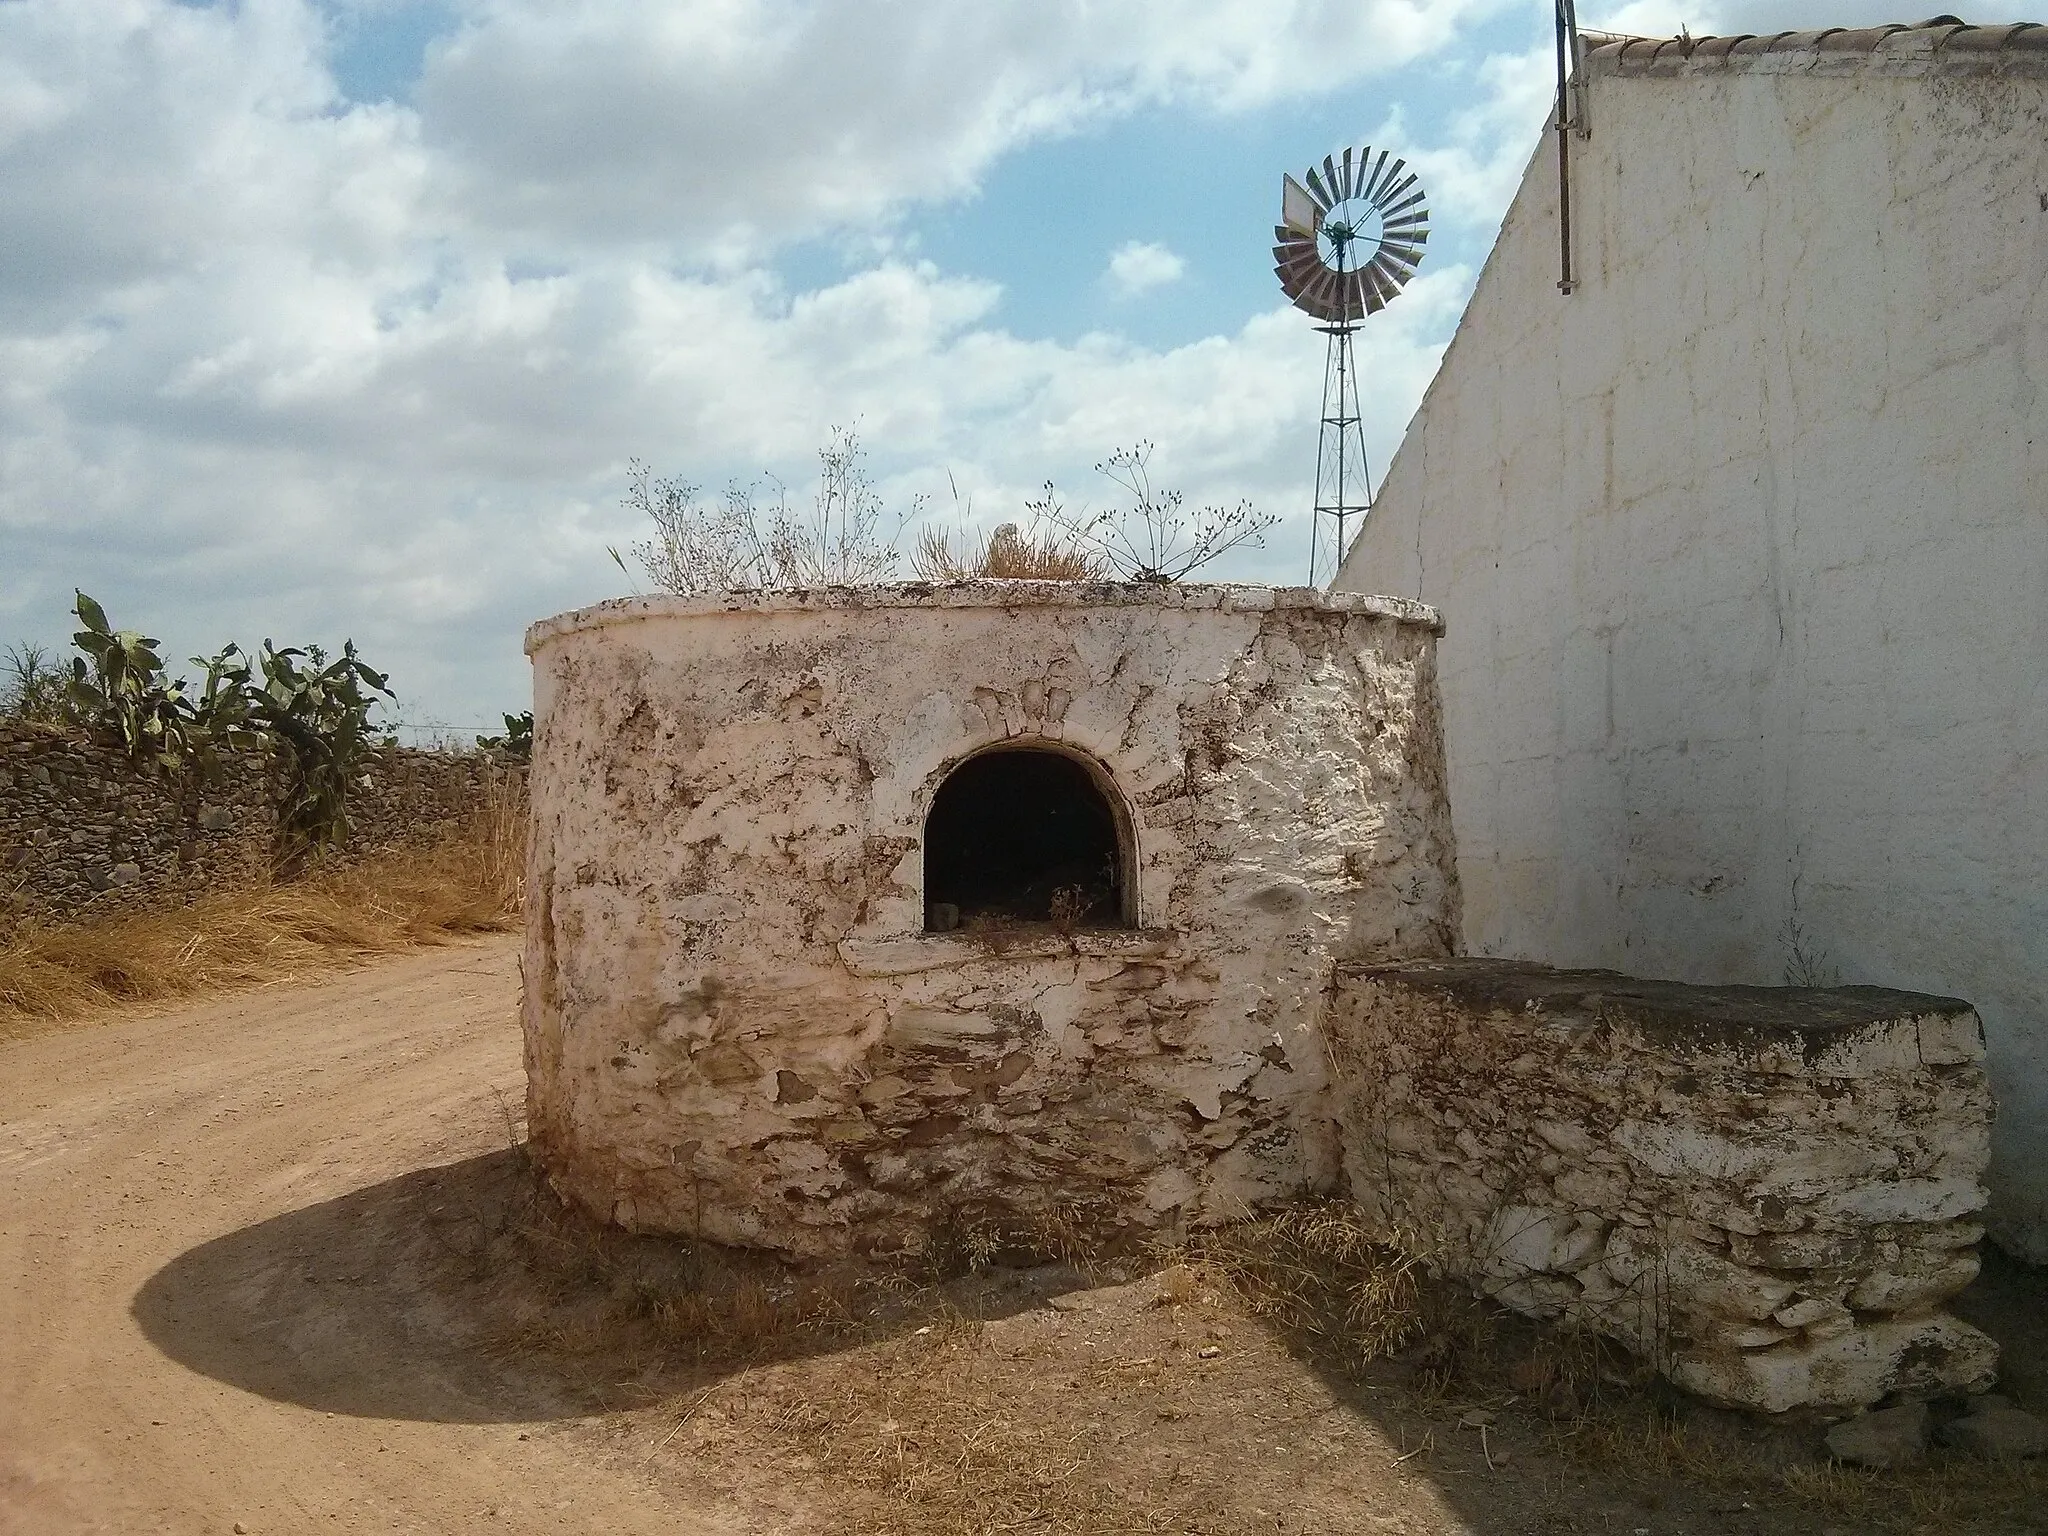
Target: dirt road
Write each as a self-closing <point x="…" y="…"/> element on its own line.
<point x="162" y="1181"/>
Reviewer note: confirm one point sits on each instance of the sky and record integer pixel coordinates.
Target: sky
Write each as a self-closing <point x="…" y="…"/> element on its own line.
<point x="326" y="319"/>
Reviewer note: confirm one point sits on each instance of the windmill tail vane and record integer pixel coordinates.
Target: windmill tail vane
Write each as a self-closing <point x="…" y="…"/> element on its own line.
<point x="1351" y="234"/>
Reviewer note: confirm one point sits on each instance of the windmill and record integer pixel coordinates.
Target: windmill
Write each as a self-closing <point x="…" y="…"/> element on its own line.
<point x="1348" y="241"/>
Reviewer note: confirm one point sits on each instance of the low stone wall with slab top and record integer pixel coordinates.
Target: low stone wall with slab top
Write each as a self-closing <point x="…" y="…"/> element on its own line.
<point x="1769" y="1191"/>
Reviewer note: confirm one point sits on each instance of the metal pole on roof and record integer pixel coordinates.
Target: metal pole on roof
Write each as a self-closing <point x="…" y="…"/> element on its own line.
<point x="1567" y="69"/>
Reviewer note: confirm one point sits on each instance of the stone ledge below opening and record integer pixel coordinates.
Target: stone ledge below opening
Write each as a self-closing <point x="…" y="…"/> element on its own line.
<point x="946" y="951"/>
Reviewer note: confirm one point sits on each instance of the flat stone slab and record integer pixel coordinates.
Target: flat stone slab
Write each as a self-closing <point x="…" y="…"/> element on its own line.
<point x="1891" y="1437"/>
<point x="1815" y="1019"/>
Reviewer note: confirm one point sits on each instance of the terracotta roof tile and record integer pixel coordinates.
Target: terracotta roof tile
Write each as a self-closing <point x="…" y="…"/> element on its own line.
<point x="1716" y="47"/>
<point x="1938" y="43"/>
<point x="1805" y="40"/>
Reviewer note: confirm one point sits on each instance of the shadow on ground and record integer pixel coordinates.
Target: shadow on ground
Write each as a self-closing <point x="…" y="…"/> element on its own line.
<point x="1019" y="1399"/>
<point x="468" y="1294"/>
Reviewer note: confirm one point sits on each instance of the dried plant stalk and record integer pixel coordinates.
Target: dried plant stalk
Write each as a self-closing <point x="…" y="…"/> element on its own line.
<point x="737" y="543"/>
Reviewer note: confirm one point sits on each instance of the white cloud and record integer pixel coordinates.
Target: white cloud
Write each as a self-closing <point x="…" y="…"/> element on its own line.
<point x="1472" y="174"/>
<point x="1703" y="18"/>
<point x="739" y="123"/>
<point x="272" y="363"/>
<point x="1139" y="266"/>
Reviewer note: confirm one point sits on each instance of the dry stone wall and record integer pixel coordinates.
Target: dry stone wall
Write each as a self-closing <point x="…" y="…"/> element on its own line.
<point x="82" y="829"/>
<point x="1770" y="1191"/>
<point x="407" y="798"/>
<point x="736" y="1024"/>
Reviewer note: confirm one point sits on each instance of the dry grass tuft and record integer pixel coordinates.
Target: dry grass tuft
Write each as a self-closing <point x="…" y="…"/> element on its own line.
<point x="332" y="916"/>
<point x="1008" y="554"/>
<point x="1324" y="1282"/>
<point x="1949" y="1494"/>
<point x="947" y="1441"/>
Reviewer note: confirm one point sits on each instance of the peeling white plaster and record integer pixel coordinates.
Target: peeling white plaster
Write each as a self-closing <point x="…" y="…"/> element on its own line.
<point x="736" y="1025"/>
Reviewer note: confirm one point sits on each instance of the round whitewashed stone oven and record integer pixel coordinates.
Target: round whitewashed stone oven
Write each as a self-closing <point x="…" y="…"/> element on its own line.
<point x="865" y="919"/>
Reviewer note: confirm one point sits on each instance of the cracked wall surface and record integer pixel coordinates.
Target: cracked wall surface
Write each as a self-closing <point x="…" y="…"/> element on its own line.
<point x="735" y="1023"/>
<point x="1743" y="548"/>
<point x="1769" y="1192"/>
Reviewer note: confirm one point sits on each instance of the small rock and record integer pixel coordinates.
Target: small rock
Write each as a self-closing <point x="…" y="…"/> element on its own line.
<point x="1995" y="1432"/>
<point x="1474" y="1418"/>
<point x="241" y="1529"/>
<point x="1208" y="1352"/>
<point x="1891" y="1437"/>
<point x="1817" y="1309"/>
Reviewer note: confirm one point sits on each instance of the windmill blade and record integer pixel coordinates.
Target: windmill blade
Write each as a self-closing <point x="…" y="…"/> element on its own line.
<point x="1348" y="183"/>
<point x="1294" y="254"/>
<point x="1382" y="190"/>
<point x="1296" y="284"/>
<point x="1401" y="253"/>
<point x="1330" y="178"/>
<point x="1407" y="225"/>
<point x="1392" y="275"/>
<point x="1392" y="201"/>
<point x="1373" y="180"/>
<point x="1297" y="270"/>
<point x="1305" y="300"/>
<point x="1320" y="192"/>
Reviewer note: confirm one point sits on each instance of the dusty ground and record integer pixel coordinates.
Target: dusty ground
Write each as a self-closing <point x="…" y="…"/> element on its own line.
<point x="275" y="1264"/>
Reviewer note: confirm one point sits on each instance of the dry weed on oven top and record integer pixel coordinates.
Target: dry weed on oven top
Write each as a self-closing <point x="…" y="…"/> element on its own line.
<point x="336" y="916"/>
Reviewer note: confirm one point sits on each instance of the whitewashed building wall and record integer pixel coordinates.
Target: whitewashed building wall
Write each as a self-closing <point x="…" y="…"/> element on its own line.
<point x="1743" y="546"/>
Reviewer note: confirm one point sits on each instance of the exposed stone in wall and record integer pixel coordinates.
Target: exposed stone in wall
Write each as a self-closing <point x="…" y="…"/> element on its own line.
<point x="736" y="1024"/>
<point x="1769" y="1191"/>
<point x="407" y="798"/>
<point x="81" y="828"/>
